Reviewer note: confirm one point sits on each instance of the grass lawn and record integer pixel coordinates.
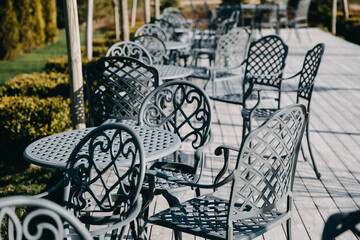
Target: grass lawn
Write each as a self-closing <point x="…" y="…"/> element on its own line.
<point x="35" y="61"/>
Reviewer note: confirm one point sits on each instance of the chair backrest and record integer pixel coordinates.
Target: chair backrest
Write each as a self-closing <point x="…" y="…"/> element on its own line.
<point x="180" y="107"/>
<point x="302" y="10"/>
<point x="265" y="62"/>
<point x="264" y="173"/>
<point x="130" y="49"/>
<point x="339" y="223"/>
<point x="104" y="173"/>
<point x="168" y="26"/>
<point x="41" y="219"/>
<point x="308" y="73"/>
<point x="116" y="87"/>
<point x="155" y="46"/>
<point x="266" y="13"/>
<point x="232" y="48"/>
<point x="152" y="29"/>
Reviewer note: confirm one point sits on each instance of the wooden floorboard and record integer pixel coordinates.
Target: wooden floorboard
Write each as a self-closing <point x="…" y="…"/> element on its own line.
<point x="334" y="135"/>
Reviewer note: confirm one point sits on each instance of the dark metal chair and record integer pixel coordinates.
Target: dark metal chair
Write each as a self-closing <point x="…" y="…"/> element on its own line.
<point x="183" y="108"/>
<point x="307" y="77"/>
<point x="155" y="46"/>
<point x="261" y="185"/>
<point x="116" y="87"/>
<point x="264" y="66"/>
<point x="42" y="219"/>
<point x="299" y="19"/>
<point x="106" y="193"/>
<point x="266" y="16"/>
<point x="130" y="49"/>
<point x="339" y="223"/>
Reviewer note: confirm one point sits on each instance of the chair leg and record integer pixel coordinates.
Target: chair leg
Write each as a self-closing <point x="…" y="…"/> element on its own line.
<point x="288" y="229"/>
<point x="318" y="175"/>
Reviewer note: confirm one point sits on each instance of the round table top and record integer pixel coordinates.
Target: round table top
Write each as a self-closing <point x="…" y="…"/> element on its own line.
<point x="171" y="72"/>
<point x="175" y="45"/>
<point x="54" y="150"/>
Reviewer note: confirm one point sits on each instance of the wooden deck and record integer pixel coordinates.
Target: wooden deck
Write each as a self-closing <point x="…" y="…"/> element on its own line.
<point x="335" y="138"/>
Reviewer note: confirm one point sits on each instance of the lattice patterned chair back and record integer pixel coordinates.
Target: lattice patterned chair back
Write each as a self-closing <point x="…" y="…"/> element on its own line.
<point x="116" y="88"/>
<point x="232" y="48"/>
<point x="308" y="73"/>
<point x="266" y="62"/>
<point x="181" y="107"/>
<point x="152" y="29"/>
<point x="265" y="170"/>
<point x="106" y="192"/>
<point x="155" y="46"/>
<point x="42" y="219"/>
<point x="302" y="10"/>
<point x="130" y="49"/>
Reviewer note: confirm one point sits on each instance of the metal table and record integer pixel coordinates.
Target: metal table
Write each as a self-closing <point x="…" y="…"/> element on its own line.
<point x="171" y="72"/>
<point x="54" y="151"/>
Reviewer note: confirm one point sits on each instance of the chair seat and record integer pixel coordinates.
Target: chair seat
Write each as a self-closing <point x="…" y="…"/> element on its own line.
<point x="235" y="98"/>
<point x="206" y="217"/>
<point x="259" y="113"/>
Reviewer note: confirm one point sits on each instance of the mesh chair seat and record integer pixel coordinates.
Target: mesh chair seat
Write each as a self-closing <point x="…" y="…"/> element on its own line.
<point x="206" y="216"/>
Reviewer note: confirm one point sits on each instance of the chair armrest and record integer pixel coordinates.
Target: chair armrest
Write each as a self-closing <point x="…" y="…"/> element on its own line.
<point x="51" y="190"/>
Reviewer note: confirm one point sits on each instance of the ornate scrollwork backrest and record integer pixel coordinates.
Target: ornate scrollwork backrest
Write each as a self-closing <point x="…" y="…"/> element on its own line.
<point x="167" y="26"/>
<point x="109" y="150"/>
<point x="152" y="29"/>
<point x="154" y="46"/>
<point x="231" y="49"/>
<point x="117" y="86"/>
<point x="266" y="61"/>
<point x="180" y="107"/>
<point x="42" y="219"/>
<point x="266" y="164"/>
<point x="309" y="71"/>
<point x="130" y="49"/>
<point x="176" y="20"/>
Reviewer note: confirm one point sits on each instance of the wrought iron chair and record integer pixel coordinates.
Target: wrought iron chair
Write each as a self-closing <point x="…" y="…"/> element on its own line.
<point x="168" y="27"/>
<point x="266" y="15"/>
<point x="300" y="18"/>
<point x="43" y="219"/>
<point x="130" y="49"/>
<point x="183" y="108"/>
<point x="264" y="66"/>
<point x="155" y="47"/>
<point x="307" y="77"/>
<point x="106" y="193"/>
<point x="116" y="87"/>
<point x="261" y="185"/>
<point x="152" y="29"/>
<point x="339" y="223"/>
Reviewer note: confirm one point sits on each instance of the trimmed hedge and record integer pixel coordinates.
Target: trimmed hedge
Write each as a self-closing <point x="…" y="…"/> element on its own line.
<point x="349" y="28"/>
<point x="24" y="119"/>
<point x="60" y="64"/>
<point x="38" y="84"/>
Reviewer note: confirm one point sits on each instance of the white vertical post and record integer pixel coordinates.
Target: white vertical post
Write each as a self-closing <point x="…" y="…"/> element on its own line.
<point x="124" y="20"/>
<point x="147" y="11"/>
<point x="133" y="13"/>
<point x="116" y="18"/>
<point x="346" y="9"/>
<point x="157" y="8"/>
<point x="75" y="67"/>
<point x="89" y="29"/>
<point x="333" y="20"/>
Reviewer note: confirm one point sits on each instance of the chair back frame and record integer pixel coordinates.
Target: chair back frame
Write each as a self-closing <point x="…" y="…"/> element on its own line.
<point x="265" y="169"/>
<point x="152" y="29"/>
<point x="130" y="49"/>
<point x="116" y="87"/>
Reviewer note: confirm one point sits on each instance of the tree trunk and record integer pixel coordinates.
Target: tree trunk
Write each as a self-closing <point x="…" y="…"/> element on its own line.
<point x="133" y="12"/>
<point x="116" y="18"/>
<point x="75" y="67"/>
<point x="333" y="20"/>
<point x="124" y="20"/>
<point x="157" y="8"/>
<point x="89" y="29"/>
<point x="346" y="9"/>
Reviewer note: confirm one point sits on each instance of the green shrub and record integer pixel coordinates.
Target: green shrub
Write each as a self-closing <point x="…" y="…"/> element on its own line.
<point x="49" y="13"/>
<point x="24" y="119"/>
<point x="9" y="31"/>
<point x="60" y="64"/>
<point x="38" y="84"/>
<point x="349" y="28"/>
<point x="104" y="42"/>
